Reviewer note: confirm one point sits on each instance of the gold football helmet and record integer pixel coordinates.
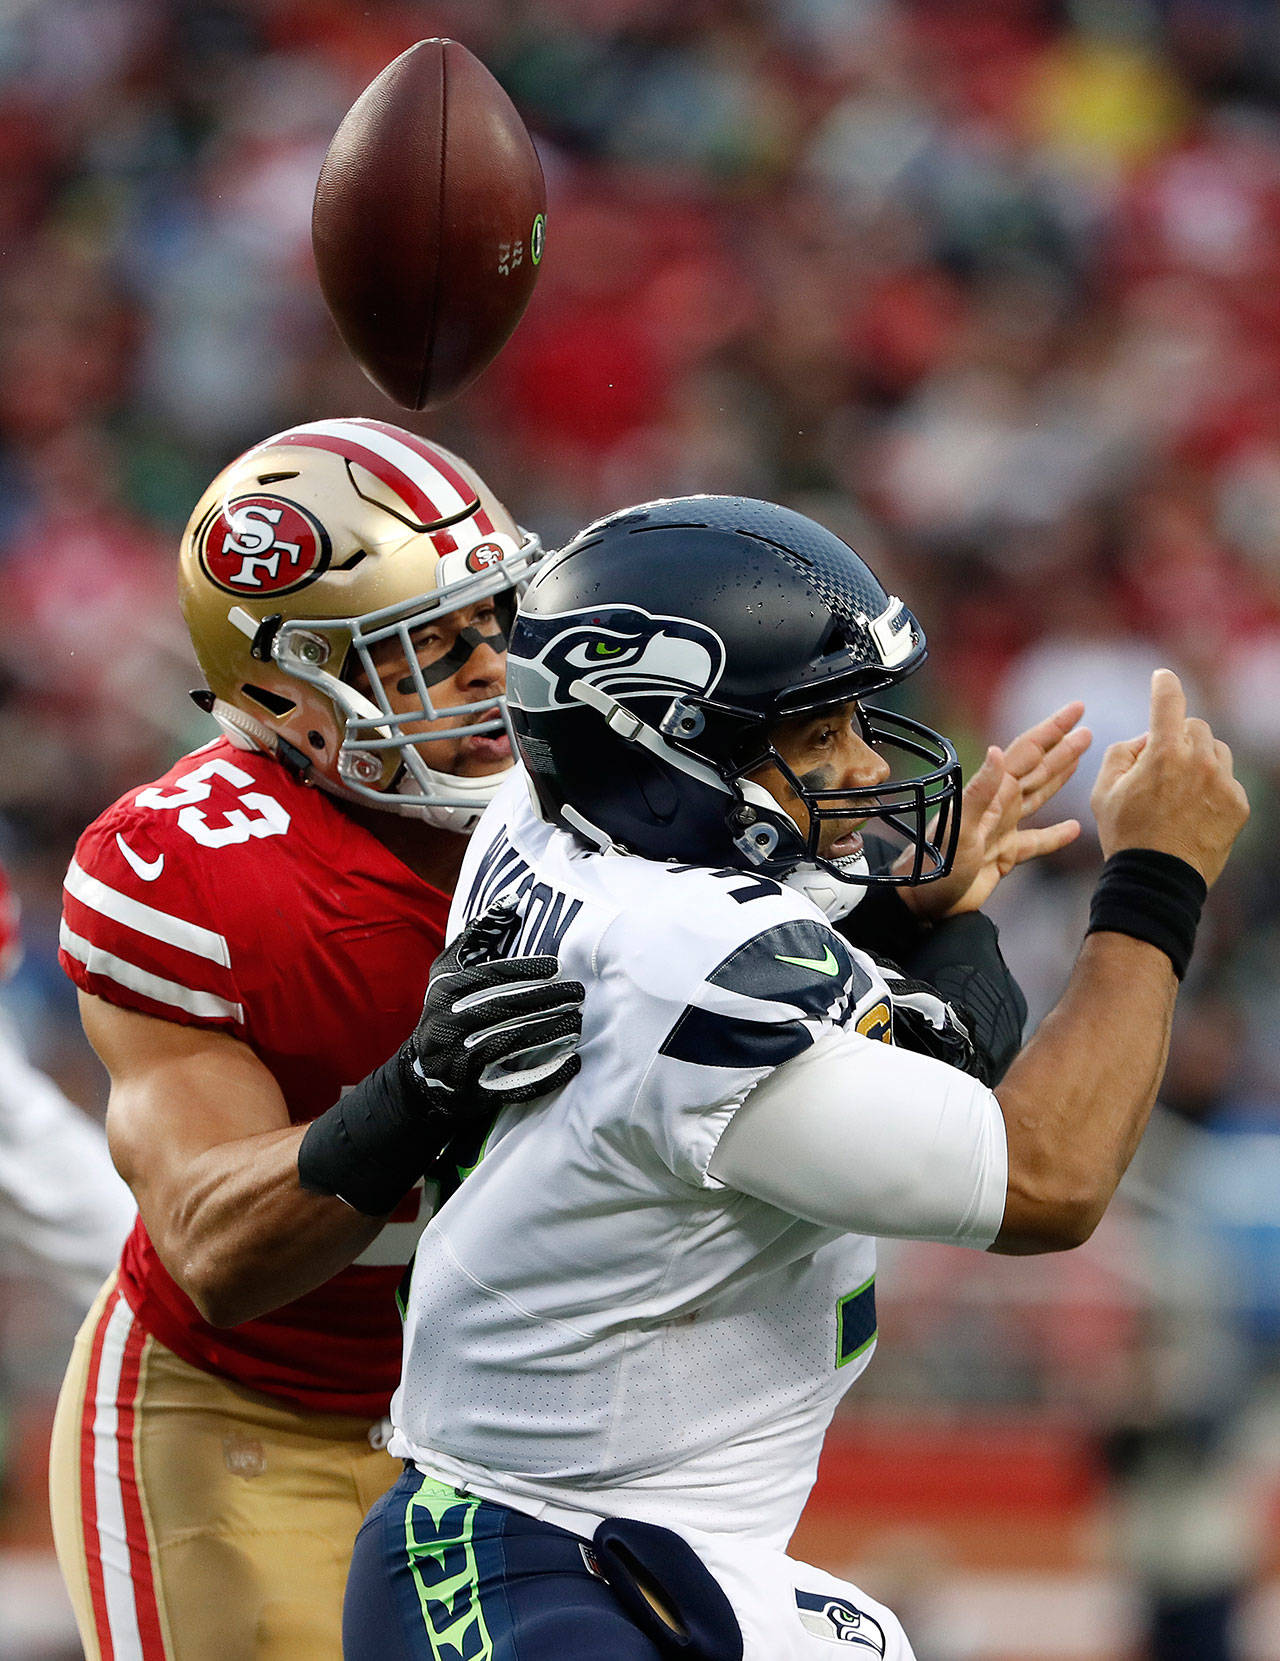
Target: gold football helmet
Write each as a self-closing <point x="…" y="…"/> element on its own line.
<point x="303" y="557"/>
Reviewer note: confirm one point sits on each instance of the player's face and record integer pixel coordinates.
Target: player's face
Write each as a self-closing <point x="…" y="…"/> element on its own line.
<point x="826" y="752"/>
<point x="463" y="659"/>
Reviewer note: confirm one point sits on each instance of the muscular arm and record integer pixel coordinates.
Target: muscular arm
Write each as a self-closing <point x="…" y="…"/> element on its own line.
<point x="910" y="1155"/>
<point x="199" y="1130"/>
<point x="1077" y="1098"/>
<point x="862" y="1136"/>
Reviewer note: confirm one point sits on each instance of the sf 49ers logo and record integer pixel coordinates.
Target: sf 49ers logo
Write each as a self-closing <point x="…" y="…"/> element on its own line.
<point x="484" y="555"/>
<point x="262" y="545"/>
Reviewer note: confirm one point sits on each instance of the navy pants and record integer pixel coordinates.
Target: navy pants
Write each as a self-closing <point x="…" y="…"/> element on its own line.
<point x="438" y="1576"/>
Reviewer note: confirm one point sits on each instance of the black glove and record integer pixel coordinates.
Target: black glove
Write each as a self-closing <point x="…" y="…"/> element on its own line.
<point x="925" y="1022"/>
<point x="491" y="1033"/>
<point x="958" y="958"/>
<point x="962" y="961"/>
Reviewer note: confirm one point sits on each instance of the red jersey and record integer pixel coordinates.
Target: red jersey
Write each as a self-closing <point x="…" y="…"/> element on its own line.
<point x="228" y="895"/>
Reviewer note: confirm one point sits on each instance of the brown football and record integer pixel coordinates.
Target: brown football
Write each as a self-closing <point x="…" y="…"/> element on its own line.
<point x="428" y="223"/>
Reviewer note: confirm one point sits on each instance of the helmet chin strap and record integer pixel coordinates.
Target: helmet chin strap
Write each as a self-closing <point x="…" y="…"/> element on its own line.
<point x="829" y="893"/>
<point x="243" y="729"/>
<point x="459" y="818"/>
<point x="833" y="896"/>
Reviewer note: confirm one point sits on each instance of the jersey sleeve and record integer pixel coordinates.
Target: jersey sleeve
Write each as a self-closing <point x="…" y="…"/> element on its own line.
<point x="867" y="1138"/>
<point x="764" y="1003"/>
<point x="140" y="926"/>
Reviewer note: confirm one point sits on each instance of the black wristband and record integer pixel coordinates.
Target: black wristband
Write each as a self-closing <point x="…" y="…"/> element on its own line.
<point x="370" y="1147"/>
<point x="1151" y="896"/>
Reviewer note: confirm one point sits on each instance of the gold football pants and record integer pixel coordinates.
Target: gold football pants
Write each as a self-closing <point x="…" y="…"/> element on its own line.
<point x="195" y="1520"/>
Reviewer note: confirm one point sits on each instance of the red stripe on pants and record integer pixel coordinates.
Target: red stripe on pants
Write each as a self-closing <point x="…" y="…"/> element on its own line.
<point x="144" y="1590"/>
<point x="89" y="1486"/>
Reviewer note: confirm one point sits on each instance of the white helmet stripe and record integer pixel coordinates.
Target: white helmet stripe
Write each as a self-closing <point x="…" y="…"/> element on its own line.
<point x="422" y="447"/>
<point x="416" y="475"/>
<point x="438" y="460"/>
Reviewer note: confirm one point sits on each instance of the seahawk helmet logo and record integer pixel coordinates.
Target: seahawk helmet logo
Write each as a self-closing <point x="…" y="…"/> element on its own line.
<point x="839" y="1621"/>
<point x="624" y="650"/>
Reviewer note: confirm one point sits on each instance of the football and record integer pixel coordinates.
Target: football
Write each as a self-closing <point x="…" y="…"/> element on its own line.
<point x="428" y="223"/>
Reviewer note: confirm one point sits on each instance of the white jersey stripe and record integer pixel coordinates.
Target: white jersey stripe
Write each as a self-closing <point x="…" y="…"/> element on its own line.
<point x="113" y="1539"/>
<point x="145" y="919"/>
<point x="431" y="480"/>
<point x="155" y="987"/>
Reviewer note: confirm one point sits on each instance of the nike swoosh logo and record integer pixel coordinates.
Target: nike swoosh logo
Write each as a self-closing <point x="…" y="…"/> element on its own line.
<point x="147" y="869"/>
<point x="828" y="965"/>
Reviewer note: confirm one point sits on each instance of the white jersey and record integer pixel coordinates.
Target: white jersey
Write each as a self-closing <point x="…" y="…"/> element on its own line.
<point x="596" y="1324"/>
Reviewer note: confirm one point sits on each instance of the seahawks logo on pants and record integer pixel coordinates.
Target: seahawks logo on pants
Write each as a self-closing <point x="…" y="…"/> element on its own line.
<point x="839" y="1622"/>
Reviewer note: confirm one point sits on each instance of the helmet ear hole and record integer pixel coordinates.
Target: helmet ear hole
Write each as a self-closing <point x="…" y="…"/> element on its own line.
<point x="272" y="702"/>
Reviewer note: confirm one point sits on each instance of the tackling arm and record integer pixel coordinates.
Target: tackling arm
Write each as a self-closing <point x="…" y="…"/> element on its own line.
<point x="248" y="1211"/>
<point x="199" y="1130"/>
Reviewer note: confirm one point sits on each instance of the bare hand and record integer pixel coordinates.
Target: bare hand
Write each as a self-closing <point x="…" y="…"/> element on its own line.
<point x="1172" y="789"/>
<point x="1007" y="789"/>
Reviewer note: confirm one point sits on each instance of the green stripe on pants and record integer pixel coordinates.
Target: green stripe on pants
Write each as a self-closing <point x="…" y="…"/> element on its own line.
<point x="438" y="1527"/>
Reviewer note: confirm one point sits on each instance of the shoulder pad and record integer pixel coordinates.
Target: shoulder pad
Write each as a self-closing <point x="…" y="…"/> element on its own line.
<point x="139" y="927"/>
<point x="765" y="1001"/>
<point x="801" y="962"/>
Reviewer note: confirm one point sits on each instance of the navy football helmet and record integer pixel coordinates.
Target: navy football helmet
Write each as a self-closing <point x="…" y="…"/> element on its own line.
<point x="653" y="655"/>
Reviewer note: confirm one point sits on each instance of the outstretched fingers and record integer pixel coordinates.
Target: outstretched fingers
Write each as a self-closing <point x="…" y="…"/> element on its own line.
<point x="985" y="785"/>
<point x="1029" y="748"/>
<point x="1045" y="756"/>
<point x="1044" y="839"/>
<point x="515" y="996"/>
<point x="1053" y="770"/>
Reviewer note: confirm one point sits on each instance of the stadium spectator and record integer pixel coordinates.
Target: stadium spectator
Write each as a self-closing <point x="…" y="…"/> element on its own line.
<point x="64" y="1213"/>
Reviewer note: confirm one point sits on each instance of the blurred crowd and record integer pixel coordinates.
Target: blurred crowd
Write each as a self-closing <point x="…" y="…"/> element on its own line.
<point x="992" y="289"/>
